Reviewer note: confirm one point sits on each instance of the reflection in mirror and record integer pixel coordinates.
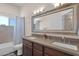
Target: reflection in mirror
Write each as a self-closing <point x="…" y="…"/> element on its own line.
<point x="59" y="21"/>
<point x="68" y="21"/>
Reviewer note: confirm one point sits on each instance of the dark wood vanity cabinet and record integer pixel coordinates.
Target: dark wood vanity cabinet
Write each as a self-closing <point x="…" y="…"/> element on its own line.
<point x="53" y="52"/>
<point x="27" y="51"/>
<point x="37" y="53"/>
<point x="35" y="49"/>
<point x="27" y="48"/>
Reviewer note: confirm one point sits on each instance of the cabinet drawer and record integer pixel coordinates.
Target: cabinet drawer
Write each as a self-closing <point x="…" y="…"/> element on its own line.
<point x="27" y="50"/>
<point x="37" y="53"/>
<point x="53" y="52"/>
<point x="27" y="42"/>
<point x="37" y="46"/>
<point x="46" y="55"/>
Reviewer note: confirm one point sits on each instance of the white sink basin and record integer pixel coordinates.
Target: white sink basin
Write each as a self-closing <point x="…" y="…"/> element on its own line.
<point x="32" y="37"/>
<point x="73" y="47"/>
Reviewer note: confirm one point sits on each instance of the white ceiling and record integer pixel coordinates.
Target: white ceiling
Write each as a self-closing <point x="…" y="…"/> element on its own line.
<point x="31" y="7"/>
<point x="29" y="4"/>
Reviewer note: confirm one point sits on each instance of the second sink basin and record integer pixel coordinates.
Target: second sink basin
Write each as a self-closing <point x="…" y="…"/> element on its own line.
<point x="73" y="47"/>
<point x="32" y="37"/>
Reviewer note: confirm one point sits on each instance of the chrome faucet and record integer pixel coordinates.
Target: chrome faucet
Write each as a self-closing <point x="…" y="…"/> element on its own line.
<point x="62" y="40"/>
<point x="45" y="36"/>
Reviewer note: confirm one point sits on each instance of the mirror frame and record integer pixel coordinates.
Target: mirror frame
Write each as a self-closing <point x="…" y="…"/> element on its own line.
<point x="59" y="9"/>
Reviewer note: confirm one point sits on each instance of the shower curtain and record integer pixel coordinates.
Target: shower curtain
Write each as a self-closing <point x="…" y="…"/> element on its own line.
<point x="18" y="23"/>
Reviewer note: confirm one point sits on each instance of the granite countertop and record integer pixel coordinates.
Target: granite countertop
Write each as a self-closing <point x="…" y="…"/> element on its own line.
<point x="48" y="42"/>
<point x="58" y="35"/>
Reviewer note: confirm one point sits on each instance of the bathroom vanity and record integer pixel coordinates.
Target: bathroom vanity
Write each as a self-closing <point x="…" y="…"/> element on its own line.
<point x="36" y="46"/>
<point x="39" y="47"/>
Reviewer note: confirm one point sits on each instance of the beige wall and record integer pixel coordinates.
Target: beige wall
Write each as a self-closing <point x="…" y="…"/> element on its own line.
<point x="9" y="10"/>
<point x="27" y="15"/>
<point x="26" y="11"/>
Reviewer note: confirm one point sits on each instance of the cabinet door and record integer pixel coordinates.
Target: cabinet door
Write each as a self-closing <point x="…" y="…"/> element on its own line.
<point x="37" y="46"/>
<point x="37" y="53"/>
<point x="37" y="49"/>
<point x="26" y="42"/>
<point x="27" y="50"/>
<point x="52" y="52"/>
<point x="46" y="54"/>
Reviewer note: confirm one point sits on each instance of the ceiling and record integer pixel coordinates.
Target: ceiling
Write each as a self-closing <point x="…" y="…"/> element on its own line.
<point x="31" y="7"/>
<point x="29" y="4"/>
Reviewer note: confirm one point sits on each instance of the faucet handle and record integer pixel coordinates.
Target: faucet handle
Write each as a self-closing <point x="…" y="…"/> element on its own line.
<point x="63" y="39"/>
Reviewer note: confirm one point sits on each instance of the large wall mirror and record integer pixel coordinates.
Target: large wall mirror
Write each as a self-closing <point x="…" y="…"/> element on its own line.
<point x="61" y="21"/>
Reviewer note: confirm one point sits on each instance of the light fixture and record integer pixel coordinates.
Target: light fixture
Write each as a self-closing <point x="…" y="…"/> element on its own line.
<point x="62" y="3"/>
<point x="34" y="12"/>
<point x="56" y="4"/>
<point x="39" y="10"/>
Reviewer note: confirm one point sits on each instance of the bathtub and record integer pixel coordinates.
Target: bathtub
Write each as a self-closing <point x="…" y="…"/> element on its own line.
<point x="6" y="48"/>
